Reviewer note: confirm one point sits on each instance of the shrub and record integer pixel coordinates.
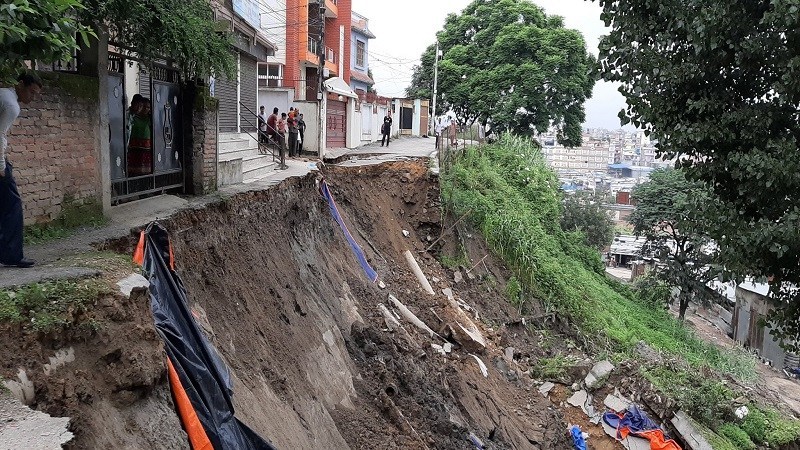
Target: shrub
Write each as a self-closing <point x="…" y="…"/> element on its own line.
<point x="755" y="425"/>
<point x="736" y="436"/>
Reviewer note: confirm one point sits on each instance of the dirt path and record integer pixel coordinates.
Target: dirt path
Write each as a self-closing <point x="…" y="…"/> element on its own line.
<point x="770" y="384"/>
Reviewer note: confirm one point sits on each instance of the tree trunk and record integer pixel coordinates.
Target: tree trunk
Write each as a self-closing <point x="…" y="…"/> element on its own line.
<point x="683" y="304"/>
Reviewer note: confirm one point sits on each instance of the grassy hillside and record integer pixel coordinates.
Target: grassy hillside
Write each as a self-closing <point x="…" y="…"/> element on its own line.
<point x="514" y="200"/>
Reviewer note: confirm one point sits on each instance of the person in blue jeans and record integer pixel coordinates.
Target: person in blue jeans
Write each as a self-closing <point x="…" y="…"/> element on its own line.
<point x="27" y="88"/>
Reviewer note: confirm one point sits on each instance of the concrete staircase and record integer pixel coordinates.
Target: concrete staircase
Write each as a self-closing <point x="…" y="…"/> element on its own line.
<point x="239" y="160"/>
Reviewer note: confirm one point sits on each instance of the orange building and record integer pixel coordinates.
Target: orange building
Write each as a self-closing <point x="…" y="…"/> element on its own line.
<point x="306" y="21"/>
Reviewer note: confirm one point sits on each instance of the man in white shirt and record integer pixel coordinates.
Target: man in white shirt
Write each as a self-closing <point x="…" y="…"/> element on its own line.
<point x="262" y="125"/>
<point x="27" y="88"/>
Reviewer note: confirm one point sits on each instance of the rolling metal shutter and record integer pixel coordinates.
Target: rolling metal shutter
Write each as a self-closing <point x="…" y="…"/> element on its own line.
<point x="225" y="92"/>
<point x="336" y="124"/>
<point x="249" y="93"/>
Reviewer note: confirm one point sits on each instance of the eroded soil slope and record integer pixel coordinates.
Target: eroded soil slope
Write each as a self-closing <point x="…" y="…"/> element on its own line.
<point x="274" y="283"/>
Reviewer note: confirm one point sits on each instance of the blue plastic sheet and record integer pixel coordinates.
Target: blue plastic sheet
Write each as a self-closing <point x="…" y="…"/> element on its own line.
<point x="357" y="250"/>
<point x="577" y="438"/>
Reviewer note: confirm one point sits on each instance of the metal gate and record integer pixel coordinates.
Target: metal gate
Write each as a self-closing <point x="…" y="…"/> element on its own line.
<point x="406" y="117"/>
<point x="163" y="166"/>
<point x="336" y="124"/>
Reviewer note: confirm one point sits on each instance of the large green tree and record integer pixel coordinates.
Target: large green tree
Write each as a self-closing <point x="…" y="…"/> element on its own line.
<point x="671" y="214"/>
<point x="507" y="64"/>
<point x="718" y="84"/>
<point x="42" y="30"/>
<point x="180" y="31"/>
<point x="583" y="212"/>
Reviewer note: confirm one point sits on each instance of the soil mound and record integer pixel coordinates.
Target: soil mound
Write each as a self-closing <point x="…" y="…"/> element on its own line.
<point x="314" y="360"/>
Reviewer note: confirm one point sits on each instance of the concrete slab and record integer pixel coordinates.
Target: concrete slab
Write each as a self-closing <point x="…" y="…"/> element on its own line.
<point x="545" y="388"/>
<point x="24" y="428"/>
<point x="578" y="399"/>
<point x="599" y="372"/>
<point x="616" y="403"/>
<point x="135" y="280"/>
<point x="690" y="432"/>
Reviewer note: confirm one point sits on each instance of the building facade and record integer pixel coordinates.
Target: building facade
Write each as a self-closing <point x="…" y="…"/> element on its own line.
<point x="316" y="29"/>
<point x="360" y="79"/>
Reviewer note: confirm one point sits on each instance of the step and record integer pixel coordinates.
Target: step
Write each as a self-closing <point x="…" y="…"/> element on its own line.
<point x="233" y="145"/>
<point x="256" y="167"/>
<point x="240" y="153"/>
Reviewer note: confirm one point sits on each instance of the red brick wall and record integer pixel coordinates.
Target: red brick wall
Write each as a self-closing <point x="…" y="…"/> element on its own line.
<point x="296" y="42"/>
<point x="346" y="19"/>
<point x="53" y="147"/>
<point x="204" y="150"/>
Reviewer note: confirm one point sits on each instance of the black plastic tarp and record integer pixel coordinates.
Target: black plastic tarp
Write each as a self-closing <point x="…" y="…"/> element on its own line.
<point x="196" y="370"/>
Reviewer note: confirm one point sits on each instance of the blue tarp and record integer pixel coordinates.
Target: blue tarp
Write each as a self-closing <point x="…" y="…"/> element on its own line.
<point x="357" y="250"/>
<point x="577" y="438"/>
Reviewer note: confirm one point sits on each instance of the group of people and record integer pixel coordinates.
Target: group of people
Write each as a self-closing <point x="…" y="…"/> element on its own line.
<point x="275" y="128"/>
<point x="446" y="127"/>
<point x="139" y="137"/>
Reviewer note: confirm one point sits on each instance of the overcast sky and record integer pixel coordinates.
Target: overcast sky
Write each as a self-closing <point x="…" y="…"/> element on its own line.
<point x="405" y="28"/>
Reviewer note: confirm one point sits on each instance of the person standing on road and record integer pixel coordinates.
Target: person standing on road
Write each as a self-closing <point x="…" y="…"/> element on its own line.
<point x="301" y="127"/>
<point x="282" y="131"/>
<point x="262" y="125"/>
<point x="272" y="125"/>
<point x="386" y="129"/>
<point x="291" y="123"/>
<point x="11" y="223"/>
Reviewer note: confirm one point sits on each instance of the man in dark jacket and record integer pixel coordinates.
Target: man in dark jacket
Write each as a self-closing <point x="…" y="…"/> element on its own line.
<point x="386" y="129"/>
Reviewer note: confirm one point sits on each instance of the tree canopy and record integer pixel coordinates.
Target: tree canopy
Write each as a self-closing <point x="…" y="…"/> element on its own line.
<point x="671" y="214"/>
<point x="583" y="212"/>
<point x="507" y="64"/>
<point x="42" y="30"/>
<point x="181" y="31"/>
<point x="718" y="84"/>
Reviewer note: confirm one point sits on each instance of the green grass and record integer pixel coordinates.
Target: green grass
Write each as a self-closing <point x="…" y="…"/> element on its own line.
<point x="737" y="437"/>
<point x="74" y="215"/>
<point x="514" y="201"/>
<point x="513" y="196"/>
<point x="49" y="306"/>
<point x="553" y="368"/>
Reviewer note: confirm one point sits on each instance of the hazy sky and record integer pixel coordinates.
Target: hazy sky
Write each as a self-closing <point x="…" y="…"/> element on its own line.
<point x="405" y="28"/>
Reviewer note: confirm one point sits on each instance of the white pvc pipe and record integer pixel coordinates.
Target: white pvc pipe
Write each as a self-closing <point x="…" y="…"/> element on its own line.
<point x="411" y="317"/>
<point x="418" y="272"/>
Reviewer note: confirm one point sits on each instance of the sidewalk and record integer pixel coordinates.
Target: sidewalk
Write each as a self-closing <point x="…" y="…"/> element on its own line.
<point x="137" y="214"/>
<point x="406" y="147"/>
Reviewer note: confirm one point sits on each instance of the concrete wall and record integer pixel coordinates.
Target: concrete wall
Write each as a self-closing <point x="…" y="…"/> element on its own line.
<point x="272" y="97"/>
<point x="310" y="112"/>
<point x="415" y="129"/>
<point x="353" y="124"/>
<point x="748" y="304"/>
<point x="368" y="121"/>
<point x="54" y="149"/>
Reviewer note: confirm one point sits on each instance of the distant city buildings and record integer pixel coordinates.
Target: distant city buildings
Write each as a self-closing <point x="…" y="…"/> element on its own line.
<point x="608" y="160"/>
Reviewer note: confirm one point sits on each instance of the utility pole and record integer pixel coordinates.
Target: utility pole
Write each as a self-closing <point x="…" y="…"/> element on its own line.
<point x="320" y="92"/>
<point x="435" y="88"/>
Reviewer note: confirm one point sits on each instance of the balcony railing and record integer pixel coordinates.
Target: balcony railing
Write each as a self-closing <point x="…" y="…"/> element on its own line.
<point x="269" y="81"/>
<point x="331" y="55"/>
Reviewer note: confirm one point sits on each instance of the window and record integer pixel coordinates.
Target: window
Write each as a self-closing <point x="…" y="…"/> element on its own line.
<point x="361" y="56"/>
<point x="272" y="76"/>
